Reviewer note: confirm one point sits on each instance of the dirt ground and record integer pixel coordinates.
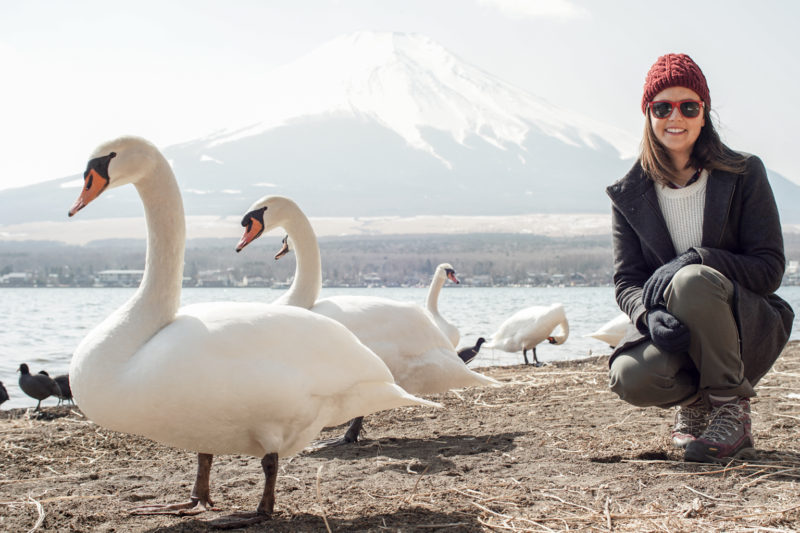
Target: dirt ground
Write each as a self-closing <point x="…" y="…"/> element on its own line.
<point x="550" y="450"/>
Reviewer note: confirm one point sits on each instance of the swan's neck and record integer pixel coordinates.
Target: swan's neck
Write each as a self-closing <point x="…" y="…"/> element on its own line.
<point x="433" y="294"/>
<point x="159" y="294"/>
<point x="562" y="338"/>
<point x="156" y="301"/>
<point x="308" y="269"/>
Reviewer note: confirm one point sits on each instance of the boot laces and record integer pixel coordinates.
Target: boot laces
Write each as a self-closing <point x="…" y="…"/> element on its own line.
<point x="725" y="420"/>
<point x="691" y="419"/>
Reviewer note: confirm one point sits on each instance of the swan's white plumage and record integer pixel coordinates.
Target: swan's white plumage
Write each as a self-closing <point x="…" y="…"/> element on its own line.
<point x="420" y="357"/>
<point x="612" y="331"/>
<point x="530" y="326"/>
<point x="418" y="354"/>
<point x="432" y="304"/>
<point x="223" y="377"/>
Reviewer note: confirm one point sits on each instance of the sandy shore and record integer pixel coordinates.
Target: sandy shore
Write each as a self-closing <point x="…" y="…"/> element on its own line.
<point x="550" y="450"/>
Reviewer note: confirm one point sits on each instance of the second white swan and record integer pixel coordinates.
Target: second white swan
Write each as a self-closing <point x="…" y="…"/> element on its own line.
<point x="421" y="358"/>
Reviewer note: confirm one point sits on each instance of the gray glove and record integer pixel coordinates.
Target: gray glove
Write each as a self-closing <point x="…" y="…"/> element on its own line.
<point x="666" y="331"/>
<point x="653" y="290"/>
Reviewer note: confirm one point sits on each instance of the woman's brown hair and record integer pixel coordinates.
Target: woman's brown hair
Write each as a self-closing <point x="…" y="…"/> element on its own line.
<point x="708" y="153"/>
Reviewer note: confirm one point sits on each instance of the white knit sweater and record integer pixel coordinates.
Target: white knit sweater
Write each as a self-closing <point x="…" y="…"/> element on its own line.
<point x="683" y="211"/>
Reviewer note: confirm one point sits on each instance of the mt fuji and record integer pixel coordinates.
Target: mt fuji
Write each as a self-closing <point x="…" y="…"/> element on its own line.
<point x="382" y="124"/>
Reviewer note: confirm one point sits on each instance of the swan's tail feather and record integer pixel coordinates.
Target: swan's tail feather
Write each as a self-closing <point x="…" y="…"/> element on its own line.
<point x="485" y="380"/>
<point x="366" y="398"/>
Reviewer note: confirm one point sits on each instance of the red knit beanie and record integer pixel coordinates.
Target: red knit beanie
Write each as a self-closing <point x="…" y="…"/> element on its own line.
<point x="674" y="70"/>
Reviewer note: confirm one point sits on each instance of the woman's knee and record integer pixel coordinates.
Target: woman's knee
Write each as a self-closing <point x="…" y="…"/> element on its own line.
<point x="694" y="287"/>
<point x="631" y="381"/>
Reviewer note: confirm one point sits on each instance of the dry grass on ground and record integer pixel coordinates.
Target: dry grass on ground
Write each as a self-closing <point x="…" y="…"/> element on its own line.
<point x="551" y="450"/>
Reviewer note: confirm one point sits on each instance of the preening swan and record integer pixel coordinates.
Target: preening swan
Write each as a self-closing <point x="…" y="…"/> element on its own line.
<point x="222" y="377"/>
<point x="612" y="331"/>
<point x="421" y="358"/>
<point x="528" y="327"/>
<point x="443" y="272"/>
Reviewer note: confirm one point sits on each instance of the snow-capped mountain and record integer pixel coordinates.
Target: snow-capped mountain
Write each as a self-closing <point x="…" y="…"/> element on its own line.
<point x="408" y="83"/>
<point x="376" y="124"/>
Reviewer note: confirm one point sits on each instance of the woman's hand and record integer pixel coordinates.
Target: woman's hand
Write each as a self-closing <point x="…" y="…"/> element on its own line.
<point x="653" y="290"/>
<point x="666" y="331"/>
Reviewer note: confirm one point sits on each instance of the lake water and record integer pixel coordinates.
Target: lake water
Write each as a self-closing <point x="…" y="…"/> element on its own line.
<point x="41" y="327"/>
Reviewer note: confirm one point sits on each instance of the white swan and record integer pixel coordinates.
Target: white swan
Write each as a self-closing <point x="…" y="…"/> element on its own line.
<point x="528" y="327"/>
<point x="612" y="331"/>
<point x="443" y="272"/>
<point x="421" y="358"/>
<point x="222" y="377"/>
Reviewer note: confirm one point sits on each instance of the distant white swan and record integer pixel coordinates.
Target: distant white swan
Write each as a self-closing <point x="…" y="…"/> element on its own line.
<point x="221" y="377"/>
<point x="421" y="358"/>
<point x="443" y="272"/>
<point x="612" y="331"/>
<point x="530" y="326"/>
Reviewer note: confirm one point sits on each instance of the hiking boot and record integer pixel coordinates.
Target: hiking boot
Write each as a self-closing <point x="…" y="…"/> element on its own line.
<point x="690" y="422"/>
<point x="728" y="433"/>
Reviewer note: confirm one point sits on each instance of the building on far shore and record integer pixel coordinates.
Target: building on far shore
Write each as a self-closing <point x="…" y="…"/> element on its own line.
<point x="17" y="279"/>
<point x="119" y="278"/>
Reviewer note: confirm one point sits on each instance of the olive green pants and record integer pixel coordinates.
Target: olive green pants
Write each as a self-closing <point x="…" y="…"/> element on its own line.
<point x="645" y="375"/>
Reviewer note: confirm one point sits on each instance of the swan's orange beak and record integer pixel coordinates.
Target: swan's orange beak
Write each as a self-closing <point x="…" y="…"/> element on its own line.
<point x="95" y="181"/>
<point x="551" y="340"/>
<point x="253" y="228"/>
<point x="452" y="276"/>
<point x="283" y="251"/>
<point x="93" y="185"/>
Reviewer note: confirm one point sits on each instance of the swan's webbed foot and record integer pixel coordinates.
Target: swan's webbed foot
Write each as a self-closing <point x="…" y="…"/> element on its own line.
<point x="350" y="436"/>
<point x="193" y="507"/>
<point x="200" y="501"/>
<point x="237" y="520"/>
<point x="269" y="463"/>
<point x="536" y="361"/>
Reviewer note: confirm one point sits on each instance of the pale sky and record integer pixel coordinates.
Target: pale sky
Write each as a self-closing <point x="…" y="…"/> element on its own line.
<point x="77" y="73"/>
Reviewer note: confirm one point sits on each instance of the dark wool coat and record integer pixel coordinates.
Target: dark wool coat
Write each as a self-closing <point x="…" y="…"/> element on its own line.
<point x="742" y="239"/>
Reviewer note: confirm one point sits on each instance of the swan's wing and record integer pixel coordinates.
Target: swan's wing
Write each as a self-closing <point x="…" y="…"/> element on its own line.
<point x="612" y="331"/>
<point x="381" y="321"/>
<point x="420" y="356"/>
<point x="250" y="378"/>
<point x="527" y="327"/>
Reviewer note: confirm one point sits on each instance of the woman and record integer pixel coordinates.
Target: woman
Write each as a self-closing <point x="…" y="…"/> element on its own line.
<point x="698" y="256"/>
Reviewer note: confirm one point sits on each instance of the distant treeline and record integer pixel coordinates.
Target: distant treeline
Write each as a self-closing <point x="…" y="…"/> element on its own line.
<point x="479" y="259"/>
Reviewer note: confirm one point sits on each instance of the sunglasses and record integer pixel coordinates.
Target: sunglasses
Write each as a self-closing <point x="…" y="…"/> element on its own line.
<point x="688" y="108"/>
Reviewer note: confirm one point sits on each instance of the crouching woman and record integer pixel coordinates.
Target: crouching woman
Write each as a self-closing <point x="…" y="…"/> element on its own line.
<point x="698" y="256"/>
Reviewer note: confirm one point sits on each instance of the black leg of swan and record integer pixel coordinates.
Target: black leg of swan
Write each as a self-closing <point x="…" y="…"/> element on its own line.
<point x="536" y="361"/>
<point x="352" y="433"/>
<point x="265" y="507"/>
<point x="350" y="436"/>
<point x="201" y="494"/>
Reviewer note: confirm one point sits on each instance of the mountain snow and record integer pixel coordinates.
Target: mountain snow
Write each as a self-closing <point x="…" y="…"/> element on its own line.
<point x="407" y="83"/>
<point x="377" y="124"/>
